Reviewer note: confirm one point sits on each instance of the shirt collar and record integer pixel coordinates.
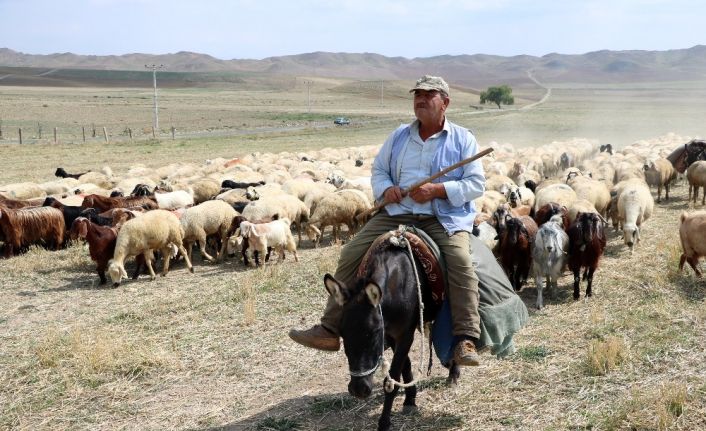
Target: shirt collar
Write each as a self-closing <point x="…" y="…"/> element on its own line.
<point x="414" y="127"/>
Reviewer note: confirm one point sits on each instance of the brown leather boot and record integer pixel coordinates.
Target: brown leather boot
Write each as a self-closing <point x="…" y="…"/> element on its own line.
<point x="465" y="354"/>
<point x="316" y="337"/>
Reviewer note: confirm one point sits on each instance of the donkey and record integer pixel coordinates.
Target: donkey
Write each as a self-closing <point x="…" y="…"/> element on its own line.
<point x="380" y="310"/>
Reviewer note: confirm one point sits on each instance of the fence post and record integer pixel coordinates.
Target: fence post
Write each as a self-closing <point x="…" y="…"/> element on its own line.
<point x="20" y="135"/>
<point x="105" y="134"/>
<point x="39" y="130"/>
<point x="129" y="132"/>
<point x="173" y="131"/>
<point x="83" y="132"/>
<point x="1" y="129"/>
<point x="153" y="135"/>
<point x="55" y="142"/>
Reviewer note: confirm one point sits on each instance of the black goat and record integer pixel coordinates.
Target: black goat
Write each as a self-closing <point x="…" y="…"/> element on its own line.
<point x="60" y="172"/>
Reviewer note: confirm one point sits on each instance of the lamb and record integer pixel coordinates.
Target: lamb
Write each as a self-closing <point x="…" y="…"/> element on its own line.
<point x="275" y="234"/>
<point x="284" y="205"/>
<point x="660" y="173"/>
<point x="635" y="205"/>
<point x="207" y="218"/>
<point x="155" y="230"/>
<point x="549" y="253"/>
<point x="26" y="226"/>
<point x="692" y="227"/>
<point x="518" y="196"/>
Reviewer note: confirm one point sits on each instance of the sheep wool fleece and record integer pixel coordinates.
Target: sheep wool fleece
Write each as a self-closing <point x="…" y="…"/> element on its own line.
<point x="461" y="280"/>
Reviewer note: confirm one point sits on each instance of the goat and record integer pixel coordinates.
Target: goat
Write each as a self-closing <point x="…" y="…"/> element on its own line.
<point x="547" y="211"/>
<point x="230" y="184"/>
<point x="587" y="240"/>
<point x="103" y="203"/>
<point x="101" y="244"/>
<point x="549" y="255"/>
<point x="26" y="226"/>
<point x="61" y="173"/>
<point x="516" y="248"/>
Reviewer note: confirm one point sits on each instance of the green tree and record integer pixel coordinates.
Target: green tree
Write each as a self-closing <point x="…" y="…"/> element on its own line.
<point x="498" y="95"/>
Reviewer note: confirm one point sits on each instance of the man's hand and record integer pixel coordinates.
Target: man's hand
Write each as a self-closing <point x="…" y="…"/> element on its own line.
<point x="427" y="192"/>
<point x="393" y="195"/>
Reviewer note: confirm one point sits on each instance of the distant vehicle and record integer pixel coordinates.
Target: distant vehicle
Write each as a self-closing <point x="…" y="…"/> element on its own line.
<point x="341" y="121"/>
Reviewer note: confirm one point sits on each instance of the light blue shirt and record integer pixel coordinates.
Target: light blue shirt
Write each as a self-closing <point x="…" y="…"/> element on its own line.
<point x="415" y="164"/>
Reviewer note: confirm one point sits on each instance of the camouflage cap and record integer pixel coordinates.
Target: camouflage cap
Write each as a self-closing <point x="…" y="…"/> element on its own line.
<point x="431" y="83"/>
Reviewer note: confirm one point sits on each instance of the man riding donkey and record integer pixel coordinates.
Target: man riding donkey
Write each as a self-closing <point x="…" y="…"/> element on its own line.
<point x="443" y="209"/>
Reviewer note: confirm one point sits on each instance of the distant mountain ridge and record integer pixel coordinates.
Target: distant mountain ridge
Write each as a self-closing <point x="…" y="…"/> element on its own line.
<point x="472" y="70"/>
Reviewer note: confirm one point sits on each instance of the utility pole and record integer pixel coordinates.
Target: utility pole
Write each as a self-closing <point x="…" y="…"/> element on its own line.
<point x="154" y="67"/>
<point x="308" y="95"/>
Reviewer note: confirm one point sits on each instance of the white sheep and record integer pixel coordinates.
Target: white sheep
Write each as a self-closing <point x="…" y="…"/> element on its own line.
<point x="549" y="255"/>
<point x="175" y="199"/>
<point x="276" y="234"/>
<point x="207" y="218"/>
<point x="517" y="196"/>
<point x="283" y="205"/>
<point x="635" y="205"/>
<point x="561" y="194"/>
<point x="155" y="230"/>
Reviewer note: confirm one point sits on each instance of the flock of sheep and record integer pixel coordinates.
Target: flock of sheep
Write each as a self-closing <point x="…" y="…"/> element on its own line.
<point x="252" y="203"/>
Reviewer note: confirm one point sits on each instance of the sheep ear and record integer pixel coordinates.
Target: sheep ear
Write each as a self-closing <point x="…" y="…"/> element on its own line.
<point x="374" y="294"/>
<point x="336" y="289"/>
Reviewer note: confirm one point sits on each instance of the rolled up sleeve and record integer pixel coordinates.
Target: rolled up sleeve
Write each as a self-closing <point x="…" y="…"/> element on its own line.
<point x="472" y="185"/>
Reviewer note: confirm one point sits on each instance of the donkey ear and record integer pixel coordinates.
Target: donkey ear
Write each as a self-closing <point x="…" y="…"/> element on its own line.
<point x="374" y="294"/>
<point x="335" y="289"/>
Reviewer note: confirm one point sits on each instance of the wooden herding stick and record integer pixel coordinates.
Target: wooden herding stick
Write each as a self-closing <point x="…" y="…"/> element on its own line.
<point x="420" y="183"/>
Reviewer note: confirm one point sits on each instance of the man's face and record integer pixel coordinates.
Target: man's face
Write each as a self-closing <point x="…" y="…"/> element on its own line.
<point x="429" y="105"/>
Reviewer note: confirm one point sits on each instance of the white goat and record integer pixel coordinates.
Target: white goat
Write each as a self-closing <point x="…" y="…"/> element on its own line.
<point x="549" y="255"/>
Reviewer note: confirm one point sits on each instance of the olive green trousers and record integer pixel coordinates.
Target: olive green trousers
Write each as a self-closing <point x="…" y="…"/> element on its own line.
<point x="462" y="281"/>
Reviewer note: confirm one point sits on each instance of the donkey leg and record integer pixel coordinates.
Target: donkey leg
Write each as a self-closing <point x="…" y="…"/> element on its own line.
<point x="409" y="405"/>
<point x="401" y="350"/>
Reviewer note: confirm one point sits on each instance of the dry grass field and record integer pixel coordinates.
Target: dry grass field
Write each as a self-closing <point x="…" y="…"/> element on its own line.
<point x="210" y="350"/>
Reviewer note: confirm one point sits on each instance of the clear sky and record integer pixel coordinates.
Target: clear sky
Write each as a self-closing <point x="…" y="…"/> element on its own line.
<point x="409" y="28"/>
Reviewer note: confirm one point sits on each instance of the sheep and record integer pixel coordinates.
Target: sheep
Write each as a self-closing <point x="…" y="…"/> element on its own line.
<point x="204" y="189"/>
<point x="499" y="183"/>
<point x="515" y="249"/>
<point x="549" y="253"/>
<point x="101" y="244"/>
<point x="486" y="233"/>
<point x="341" y="207"/>
<point x="26" y="226"/>
<point x="635" y="205"/>
<point x="489" y="202"/>
<point x="156" y="230"/>
<point x="579" y="206"/>
<point x="275" y="234"/>
<point x="594" y="191"/>
<point x="587" y="241"/>
<point x="517" y="196"/>
<point x="284" y="205"/>
<point x="696" y="175"/>
<point x="692" y="227"/>
<point x="660" y="173"/>
<point x="207" y="218"/>
<point x="174" y="200"/>
<point x="22" y="191"/>
<point x="561" y="194"/>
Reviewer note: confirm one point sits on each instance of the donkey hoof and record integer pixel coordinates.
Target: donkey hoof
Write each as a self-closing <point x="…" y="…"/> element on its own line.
<point x="410" y="410"/>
